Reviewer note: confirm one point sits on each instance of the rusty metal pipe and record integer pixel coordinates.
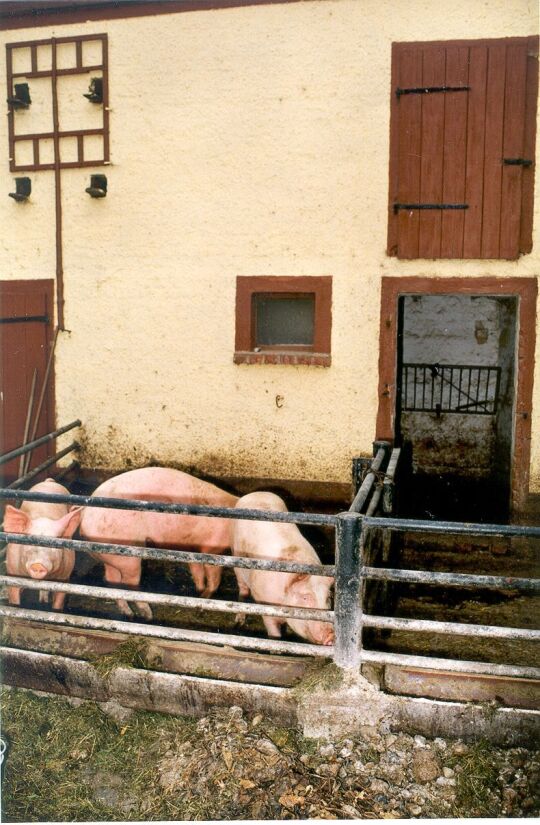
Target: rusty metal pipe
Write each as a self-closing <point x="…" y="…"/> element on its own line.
<point x="455" y="665"/>
<point x="37" y="443"/>
<point x="452" y="579"/>
<point x="39" y="469"/>
<point x="176" y="509"/>
<point x="169" y="555"/>
<point x="171" y="633"/>
<point x="309" y="614"/>
<point x="455" y="628"/>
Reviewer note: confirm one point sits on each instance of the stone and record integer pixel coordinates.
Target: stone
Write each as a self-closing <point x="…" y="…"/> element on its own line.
<point x="326" y="750"/>
<point x="448" y="773"/>
<point x="460" y="748"/>
<point x="425" y="766"/>
<point x="415" y="810"/>
<point x="420" y="741"/>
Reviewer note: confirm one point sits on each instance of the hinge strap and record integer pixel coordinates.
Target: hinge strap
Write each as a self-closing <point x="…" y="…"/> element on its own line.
<point x="426" y="90"/>
<point x="398" y="206"/>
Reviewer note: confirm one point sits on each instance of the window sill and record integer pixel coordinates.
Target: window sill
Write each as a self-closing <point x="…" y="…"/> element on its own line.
<point x="314" y="359"/>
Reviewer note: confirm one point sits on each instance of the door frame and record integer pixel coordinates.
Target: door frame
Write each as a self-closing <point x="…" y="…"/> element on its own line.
<point x="525" y="290"/>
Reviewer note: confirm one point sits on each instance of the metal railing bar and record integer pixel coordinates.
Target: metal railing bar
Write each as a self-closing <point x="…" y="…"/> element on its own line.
<point x="456" y="628"/>
<point x="454" y="527"/>
<point x="392" y="466"/>
<point x="171" y="633"/>
<point x="174" y="509"/>
<point x="310" y="614"/>
<point x="39" y="469"/>
<point x="452" y="665"/>
<point x="452" y="579"/>
<point x="65" y="470"/>
<point x="365" y="488"/>
<point x="375" y="500"/>
<point x="38" y="442"/>
<point x="164" y="554"/>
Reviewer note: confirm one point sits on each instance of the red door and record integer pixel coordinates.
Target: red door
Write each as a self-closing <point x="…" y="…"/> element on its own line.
<point x="26" y="324"/>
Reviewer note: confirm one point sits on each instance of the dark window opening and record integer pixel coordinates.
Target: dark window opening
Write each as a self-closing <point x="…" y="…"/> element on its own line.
<point x="284" y="320"/>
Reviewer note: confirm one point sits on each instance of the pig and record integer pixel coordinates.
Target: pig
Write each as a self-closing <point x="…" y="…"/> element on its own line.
<point x="203" y="533"/>
<point x="41" y="519"/>
<point x="280" y="542"/>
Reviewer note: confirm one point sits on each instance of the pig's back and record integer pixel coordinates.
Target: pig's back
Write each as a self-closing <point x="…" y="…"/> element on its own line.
<point x="43" y="509"/>
<point x="269" y="539"/>
<point x="158" y="484"/>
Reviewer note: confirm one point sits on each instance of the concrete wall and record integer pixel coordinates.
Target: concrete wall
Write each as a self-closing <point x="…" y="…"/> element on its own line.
<point x="460" y="330"/>
<point x="246" y="141"/>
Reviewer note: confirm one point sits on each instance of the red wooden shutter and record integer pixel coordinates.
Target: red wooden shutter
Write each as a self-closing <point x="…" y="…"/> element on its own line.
<point x="452" y="195"/>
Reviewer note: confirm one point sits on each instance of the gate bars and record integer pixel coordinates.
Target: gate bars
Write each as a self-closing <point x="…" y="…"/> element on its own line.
<point x="352" y="530"/>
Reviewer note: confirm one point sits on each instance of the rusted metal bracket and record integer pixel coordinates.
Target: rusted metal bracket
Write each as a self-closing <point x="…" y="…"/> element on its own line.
<point x="407" y="206"/>
<point x="427" y="90"/>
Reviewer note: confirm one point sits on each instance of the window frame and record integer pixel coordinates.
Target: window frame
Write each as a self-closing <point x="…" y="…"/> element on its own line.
<point x="247" y="351"/>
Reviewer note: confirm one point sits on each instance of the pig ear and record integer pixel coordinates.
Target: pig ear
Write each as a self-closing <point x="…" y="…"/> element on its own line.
<point x="15" y="521"/>
<point x="70" y="522"/>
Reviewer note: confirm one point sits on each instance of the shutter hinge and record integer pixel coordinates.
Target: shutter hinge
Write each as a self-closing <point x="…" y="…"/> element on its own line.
<point x="517" y="162"/>
<point x="407" y="206"/>
<point x="426" y="90"/>
<point x="24" y="319"/>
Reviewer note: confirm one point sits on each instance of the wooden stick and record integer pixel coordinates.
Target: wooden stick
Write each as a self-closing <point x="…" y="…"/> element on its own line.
<point x="27" y="422"/>
<point x="41" y="398"/>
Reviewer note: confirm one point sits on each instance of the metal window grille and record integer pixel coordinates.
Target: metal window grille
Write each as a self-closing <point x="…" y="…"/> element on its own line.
<point x="79" y="66"/>
<point x="450" y="388"/>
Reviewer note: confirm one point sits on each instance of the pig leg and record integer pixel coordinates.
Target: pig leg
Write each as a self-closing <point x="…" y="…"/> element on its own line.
<point x="44" y="597"/>
<point x="58" y="600"/>
<point x="130" y="576"/>
<point x="197" y="574"/>
<point x="14" y="595"/>
<point x="273" y="626"/>
<point x="212" y="578"/>
<point x="243" y="593"/>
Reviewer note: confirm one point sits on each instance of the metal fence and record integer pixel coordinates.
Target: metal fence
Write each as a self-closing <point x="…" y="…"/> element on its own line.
<point x="354" y="531"/>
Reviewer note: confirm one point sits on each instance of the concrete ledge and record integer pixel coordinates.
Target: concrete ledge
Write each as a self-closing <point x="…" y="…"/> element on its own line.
<point x="348" y="705"/>
<point x="142" y="689"/>
<point x="502" y="726"/>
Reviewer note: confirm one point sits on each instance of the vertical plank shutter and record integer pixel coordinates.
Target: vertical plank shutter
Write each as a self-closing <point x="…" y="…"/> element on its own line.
<point x="462" y="137"/>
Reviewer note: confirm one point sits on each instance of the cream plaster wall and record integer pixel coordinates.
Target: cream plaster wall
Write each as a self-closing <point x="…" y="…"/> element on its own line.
<point x="248" y="141"/>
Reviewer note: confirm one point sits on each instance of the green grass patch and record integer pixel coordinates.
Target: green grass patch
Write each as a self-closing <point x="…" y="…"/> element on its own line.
<point x="76" y="764"/>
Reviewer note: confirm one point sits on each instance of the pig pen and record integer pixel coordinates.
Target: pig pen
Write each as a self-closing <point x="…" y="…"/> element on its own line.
<point x="272" y="681"/>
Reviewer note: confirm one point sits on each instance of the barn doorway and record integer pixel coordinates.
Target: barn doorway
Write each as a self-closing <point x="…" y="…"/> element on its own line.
<point x="455" y="390"/>
<point x="455" y="403"/>
<point x="26" y="323"/>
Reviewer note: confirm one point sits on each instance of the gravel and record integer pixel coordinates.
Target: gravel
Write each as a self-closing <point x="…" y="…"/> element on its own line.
<point x="256" y="770"/>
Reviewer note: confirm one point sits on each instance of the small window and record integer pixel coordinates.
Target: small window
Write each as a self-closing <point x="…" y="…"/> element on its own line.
<point x="282" y="320"/>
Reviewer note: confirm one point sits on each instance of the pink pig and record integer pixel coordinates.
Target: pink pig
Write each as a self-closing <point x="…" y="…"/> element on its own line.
<point x="280" y="542"/>
<point x="41" y="519"/>
<point x="204" y="533"/>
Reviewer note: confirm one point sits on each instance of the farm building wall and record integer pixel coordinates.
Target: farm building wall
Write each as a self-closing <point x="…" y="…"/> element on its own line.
<point x="249" y="141"/>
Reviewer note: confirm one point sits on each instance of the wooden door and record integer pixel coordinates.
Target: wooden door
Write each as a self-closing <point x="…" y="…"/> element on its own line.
<point x="26" y="322"/>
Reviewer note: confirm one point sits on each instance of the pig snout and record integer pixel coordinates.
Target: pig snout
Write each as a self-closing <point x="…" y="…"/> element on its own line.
<point x="37" y="570"/>
<point x="322" y="634"/>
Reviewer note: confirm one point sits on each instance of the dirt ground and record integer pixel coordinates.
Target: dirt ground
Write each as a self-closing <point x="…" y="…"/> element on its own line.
<point x="78" y="762"/>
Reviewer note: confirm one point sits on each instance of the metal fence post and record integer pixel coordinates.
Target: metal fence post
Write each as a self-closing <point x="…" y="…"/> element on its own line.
<point x="347" y="602"/>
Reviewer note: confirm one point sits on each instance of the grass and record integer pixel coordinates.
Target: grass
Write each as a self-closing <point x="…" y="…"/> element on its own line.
<point x="320" y="676"/>
<point x="131" y="653"/>
<point x="57" y="754"/>
<point x="476" y="781"/>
